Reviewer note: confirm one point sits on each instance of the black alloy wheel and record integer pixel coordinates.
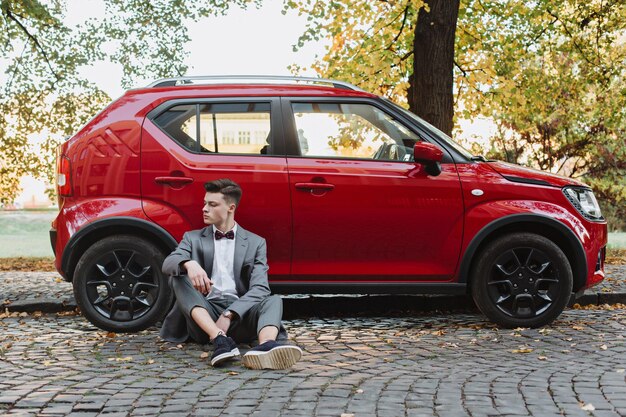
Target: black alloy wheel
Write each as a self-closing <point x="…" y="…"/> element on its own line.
<point x="119" y="286"/>
<point x="522" y="280"/>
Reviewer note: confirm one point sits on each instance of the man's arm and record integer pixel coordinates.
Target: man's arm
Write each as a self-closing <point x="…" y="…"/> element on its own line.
<point x="179" y="262"/>
<point x="171" y="264"/>
<point x="259" y="287"/>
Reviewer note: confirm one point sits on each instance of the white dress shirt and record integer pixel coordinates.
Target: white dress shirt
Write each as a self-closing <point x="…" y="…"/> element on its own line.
<point x="223" y="274"/>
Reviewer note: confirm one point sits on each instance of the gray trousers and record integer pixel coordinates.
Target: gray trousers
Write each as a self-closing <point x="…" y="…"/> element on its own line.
<point x="244" y="329"/>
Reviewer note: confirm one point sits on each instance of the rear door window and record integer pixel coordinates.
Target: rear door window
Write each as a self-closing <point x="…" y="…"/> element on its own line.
<point x="231" y="128"/>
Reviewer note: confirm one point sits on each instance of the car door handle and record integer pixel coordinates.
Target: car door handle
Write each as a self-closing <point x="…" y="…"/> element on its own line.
<point x="173" y="181"/>
<point x="314" y="186"/>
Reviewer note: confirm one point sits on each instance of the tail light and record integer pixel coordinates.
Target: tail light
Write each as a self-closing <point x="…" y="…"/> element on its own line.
<point x="64" y="179"/>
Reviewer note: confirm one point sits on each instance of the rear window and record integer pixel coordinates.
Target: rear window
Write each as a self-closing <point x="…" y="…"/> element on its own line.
<point x="233" y="128"/>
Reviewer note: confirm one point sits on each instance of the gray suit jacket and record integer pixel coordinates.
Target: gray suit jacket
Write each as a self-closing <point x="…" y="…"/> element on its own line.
<point x="250" y="270"/>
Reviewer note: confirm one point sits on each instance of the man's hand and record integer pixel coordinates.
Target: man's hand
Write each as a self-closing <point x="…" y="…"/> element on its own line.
<point x="198" y="277"/>
<point x="223" y="323"/>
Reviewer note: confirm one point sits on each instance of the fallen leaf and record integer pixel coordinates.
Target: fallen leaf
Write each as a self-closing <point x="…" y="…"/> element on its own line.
<point x="359" y="391"/>
<point x="347" y="415"/>
<point x="233" y="373"/>
<point x="204" y="355"/>
<point x="578" y="327"/>
<point x="587" y="407"/>
<point x="110" y="335"/>
<point x="522" y="350"/>
<point x="150" y="361"/>
<point x="604" y="347"/>
<point x="179" y="346"/>
<point x="542" y="358"/>
<point x="57" y="280"/>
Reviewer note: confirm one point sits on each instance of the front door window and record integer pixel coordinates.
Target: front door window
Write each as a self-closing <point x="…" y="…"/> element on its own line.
<point x="347" y="130"/>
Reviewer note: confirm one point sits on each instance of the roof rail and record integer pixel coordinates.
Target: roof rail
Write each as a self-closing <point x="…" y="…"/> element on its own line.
<point x="262" y="79"/>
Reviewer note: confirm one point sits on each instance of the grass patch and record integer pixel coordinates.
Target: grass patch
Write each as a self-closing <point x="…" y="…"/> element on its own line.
<point x="25" y="234"/>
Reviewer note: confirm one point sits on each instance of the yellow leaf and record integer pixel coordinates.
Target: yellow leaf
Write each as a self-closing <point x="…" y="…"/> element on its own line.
<point x="522" y="350"/>
<point x="204" y="355"/>
<point x="233" y="373"/>
<point x="587" y="407"/>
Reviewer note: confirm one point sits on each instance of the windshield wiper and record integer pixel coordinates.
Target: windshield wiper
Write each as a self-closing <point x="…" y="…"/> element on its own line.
<point x="479" y="158"/>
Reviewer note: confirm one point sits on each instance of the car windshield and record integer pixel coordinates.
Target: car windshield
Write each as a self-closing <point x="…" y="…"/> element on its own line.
<point x="440" y="135"/>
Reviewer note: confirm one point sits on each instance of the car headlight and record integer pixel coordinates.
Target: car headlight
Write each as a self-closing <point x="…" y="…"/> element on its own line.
<point x="584" y="201"/>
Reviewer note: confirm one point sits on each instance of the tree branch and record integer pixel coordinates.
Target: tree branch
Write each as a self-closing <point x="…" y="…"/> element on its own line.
<point x="456" y="64"/>
<point x="570" y="35"/>
<point x="33" y="39"/>
<point x="395" y="39"/>
<point x="380" y="29"/>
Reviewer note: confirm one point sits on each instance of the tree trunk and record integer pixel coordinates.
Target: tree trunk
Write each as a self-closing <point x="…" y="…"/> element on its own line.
<point x="430" y="87"/>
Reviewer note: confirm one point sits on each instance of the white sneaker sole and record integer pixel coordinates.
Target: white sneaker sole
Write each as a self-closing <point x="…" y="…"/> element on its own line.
<point x="281" y="357"/>
<point x="224" y="357"/>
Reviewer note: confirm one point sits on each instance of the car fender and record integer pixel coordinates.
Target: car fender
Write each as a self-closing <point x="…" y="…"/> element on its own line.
<point x="119" y="216"/>
<point x="524" y="215"/>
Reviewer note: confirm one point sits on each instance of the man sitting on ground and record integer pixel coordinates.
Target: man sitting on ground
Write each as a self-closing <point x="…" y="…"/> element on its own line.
<point x="219" y="277"/>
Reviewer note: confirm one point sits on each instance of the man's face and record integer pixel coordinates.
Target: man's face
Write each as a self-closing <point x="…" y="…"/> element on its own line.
<point x="216" y="209"/>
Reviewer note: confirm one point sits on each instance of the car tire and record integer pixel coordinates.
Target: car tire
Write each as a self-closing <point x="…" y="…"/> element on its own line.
<point x="521" y="280"/>
<point x="119" y="286"/>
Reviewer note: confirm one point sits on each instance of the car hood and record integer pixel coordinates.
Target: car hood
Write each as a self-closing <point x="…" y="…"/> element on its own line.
<point x="520" y="174"/>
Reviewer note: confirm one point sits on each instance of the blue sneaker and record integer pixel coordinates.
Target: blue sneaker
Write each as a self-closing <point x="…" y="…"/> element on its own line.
<point x="225" y="349"/>
<point x="272" y="355"/>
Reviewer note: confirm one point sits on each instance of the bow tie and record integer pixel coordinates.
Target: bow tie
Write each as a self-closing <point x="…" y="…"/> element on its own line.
<point x="227" y="235"/>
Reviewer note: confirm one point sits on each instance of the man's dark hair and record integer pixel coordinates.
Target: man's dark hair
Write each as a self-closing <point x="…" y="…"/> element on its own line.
<point x="231" y="190"/>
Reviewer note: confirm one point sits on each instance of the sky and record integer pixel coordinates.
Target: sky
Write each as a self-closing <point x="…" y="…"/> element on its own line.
<point x="252" y="41"/>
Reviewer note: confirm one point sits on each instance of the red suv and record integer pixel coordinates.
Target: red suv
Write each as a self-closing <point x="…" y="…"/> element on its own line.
<point x="353" y="193"/>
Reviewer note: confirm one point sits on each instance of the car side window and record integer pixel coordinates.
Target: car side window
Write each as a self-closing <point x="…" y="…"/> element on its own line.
<point x="233" y="128"/>
<point x="351" y="130"/>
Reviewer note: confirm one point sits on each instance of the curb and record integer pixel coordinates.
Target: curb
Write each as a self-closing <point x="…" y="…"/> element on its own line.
<point x="302" y="306"/>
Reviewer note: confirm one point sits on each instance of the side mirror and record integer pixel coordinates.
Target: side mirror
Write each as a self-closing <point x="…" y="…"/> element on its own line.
<point x="430" y="155"/>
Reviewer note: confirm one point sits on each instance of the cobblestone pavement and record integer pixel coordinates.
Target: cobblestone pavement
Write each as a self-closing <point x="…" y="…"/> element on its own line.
<point x="426" y="365"/>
